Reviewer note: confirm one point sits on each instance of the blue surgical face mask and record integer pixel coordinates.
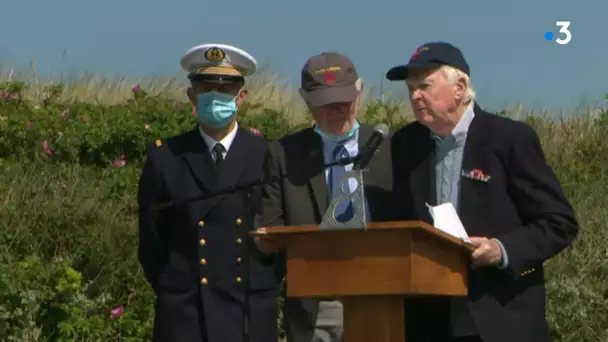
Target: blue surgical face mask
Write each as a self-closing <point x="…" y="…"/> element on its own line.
<point x="338" y="138"/>
<point x="215" y="109"/>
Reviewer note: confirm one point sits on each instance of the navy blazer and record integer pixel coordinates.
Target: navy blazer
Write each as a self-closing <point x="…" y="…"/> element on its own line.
<point x="193" y="254"/>
<point x="522" y="205"/>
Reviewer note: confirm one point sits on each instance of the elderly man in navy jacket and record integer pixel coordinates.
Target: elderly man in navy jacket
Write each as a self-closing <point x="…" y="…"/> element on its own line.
<point x="493" y="170"/>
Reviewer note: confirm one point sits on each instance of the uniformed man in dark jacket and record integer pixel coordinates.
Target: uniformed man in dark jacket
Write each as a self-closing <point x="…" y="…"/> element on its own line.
<point x="194" y="252"/>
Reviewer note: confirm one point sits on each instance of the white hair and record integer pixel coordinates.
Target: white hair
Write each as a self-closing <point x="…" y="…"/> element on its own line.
<point x="359" y="84"/>
<point x="452" y="75"/>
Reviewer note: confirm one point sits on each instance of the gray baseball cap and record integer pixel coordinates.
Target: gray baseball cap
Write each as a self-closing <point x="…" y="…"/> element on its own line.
<point x="328" y="78"/>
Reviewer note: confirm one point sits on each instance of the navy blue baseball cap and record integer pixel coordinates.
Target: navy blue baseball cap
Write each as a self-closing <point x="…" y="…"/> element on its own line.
<point x="431" y="55"/>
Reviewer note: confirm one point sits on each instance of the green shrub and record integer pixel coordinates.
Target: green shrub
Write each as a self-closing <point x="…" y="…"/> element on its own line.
<point x="68" y="214"/>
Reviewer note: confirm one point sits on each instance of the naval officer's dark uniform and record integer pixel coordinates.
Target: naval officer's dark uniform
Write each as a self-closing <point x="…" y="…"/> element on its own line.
<point x="193" y="254"/>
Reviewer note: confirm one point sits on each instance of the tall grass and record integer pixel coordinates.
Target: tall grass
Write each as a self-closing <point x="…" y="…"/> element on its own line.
<point x="68" y="226"/>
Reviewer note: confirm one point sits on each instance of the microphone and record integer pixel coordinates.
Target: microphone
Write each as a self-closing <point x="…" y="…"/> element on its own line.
<point x="243" y="186"/>
<point x="359" y="162"/>
<point x="367" y="152"/>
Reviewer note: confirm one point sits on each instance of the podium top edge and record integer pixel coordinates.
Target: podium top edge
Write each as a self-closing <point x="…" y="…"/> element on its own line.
<point x="373" y="226"/>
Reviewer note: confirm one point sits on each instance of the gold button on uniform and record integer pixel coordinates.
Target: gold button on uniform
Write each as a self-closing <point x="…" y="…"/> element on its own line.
<point x="238" y="279"/>
<point x="204" y="281"/>
<point x="238" y="260"/>
<point x="201" y="223"/>
<point x="203" y="261"/>
<point x="238" y="241"/>
<point x="239" y="221"/>
<point x="202" y="242"/>
<point x="526" y="272"/>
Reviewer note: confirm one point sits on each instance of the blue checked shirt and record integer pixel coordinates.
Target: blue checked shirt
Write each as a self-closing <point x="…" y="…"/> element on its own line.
<point x="448" y="166"/>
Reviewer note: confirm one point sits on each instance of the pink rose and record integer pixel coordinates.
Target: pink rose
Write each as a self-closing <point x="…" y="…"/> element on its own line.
<point x="117" y="311"/>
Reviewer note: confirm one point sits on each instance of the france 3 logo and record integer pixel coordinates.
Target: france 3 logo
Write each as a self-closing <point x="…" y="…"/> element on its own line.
<point x="564" y="35"/>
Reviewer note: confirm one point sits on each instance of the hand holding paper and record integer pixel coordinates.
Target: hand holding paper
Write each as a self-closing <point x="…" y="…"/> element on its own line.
<point x="446" y="219"/>
<point x="487" y="251"/>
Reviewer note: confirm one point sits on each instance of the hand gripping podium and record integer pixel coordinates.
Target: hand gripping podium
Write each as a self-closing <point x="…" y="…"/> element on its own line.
<point x="372" y="267"/>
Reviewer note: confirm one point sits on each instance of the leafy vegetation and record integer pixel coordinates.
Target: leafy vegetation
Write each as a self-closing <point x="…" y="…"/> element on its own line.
<point x="68" y="266"/>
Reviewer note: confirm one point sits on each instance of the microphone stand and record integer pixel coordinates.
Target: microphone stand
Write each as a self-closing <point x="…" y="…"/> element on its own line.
<point x="248" y="187"/>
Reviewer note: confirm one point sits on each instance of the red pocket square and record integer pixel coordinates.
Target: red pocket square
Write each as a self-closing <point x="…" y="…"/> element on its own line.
<point x="476" y="174"/>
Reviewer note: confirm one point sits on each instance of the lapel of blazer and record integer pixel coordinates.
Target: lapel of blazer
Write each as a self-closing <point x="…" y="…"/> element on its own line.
<point x="236" y="162"/>
<point x="474" y="150"/>
<point x="315" y="166"/>
<point x="199" y="160"/>
<point x="229" y="172"/>
<point x="422" y="180"/>
<point x="365" y="132"/>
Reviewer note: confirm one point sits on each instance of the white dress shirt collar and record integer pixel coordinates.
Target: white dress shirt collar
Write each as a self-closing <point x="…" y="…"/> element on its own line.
<point x="226" y="142"/>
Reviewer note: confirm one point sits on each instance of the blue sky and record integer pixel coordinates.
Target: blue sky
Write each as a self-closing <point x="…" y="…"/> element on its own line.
<point x="502" y="40"/>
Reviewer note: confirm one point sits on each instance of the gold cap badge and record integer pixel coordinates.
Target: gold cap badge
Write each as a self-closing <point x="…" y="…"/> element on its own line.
<point x="215" y="55"/>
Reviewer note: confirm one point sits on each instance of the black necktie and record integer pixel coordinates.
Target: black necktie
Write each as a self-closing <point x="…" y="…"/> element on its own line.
<point x="216" y="153"/>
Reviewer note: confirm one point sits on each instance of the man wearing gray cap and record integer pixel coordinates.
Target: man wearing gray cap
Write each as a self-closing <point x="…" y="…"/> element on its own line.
<point x="331" y="88"/>
<point x="493" y="171"/>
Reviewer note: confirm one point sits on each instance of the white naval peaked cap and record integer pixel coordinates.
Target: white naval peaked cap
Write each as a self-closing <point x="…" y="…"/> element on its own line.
<point x="218" y="59"/>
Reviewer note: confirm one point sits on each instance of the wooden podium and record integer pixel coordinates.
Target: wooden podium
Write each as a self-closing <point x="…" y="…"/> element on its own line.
<point x="373" y="270"/>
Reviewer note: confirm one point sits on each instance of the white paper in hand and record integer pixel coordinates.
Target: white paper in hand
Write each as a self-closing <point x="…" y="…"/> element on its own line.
<point x="446" y="219"/>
